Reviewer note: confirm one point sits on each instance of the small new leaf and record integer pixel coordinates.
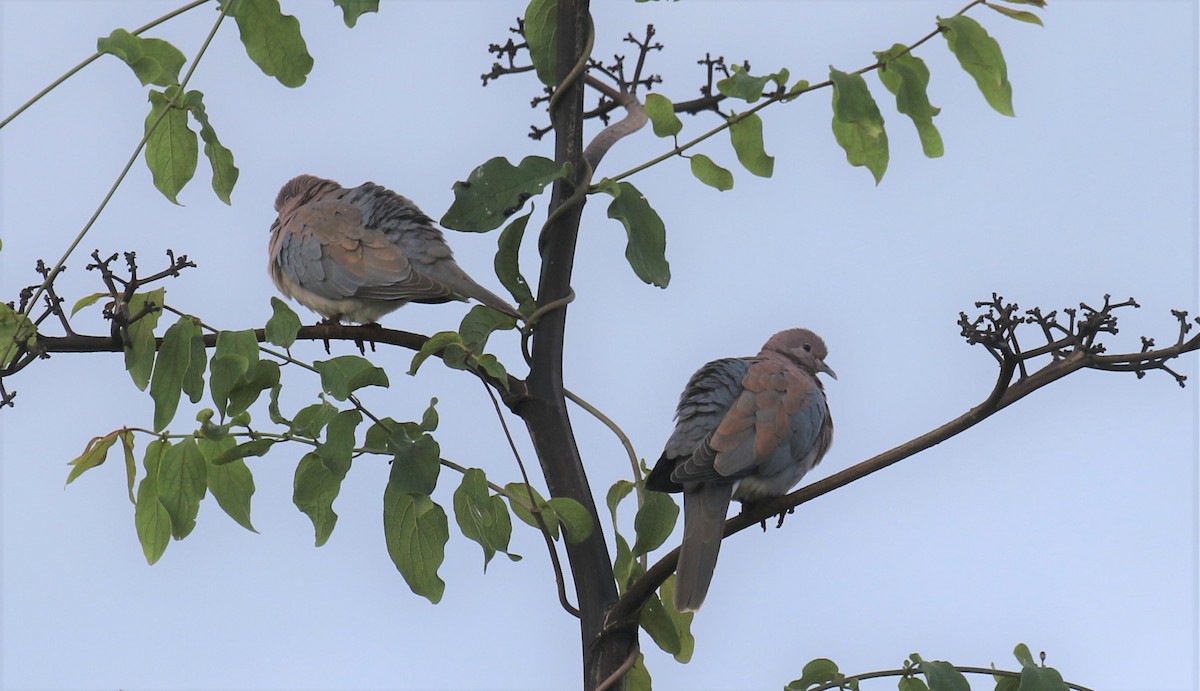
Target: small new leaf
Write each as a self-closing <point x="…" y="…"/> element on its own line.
<point x="480" y="323"/>
<point x="87" y="301"/>
<point x="93" y="455"/>
<point x="980" y="55"/>
<point x="818" y="671"/>
<point x="858" y="124"/>
<point x="496" y="190"/>
<point x="646" y="249"/>
<point x="1019" y="15"/>
<point x="654" y="522"/>
<point x="449" y="341"/>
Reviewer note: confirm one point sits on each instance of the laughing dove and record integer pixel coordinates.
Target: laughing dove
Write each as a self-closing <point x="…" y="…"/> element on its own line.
<point x="356" y="254"/>
<point x="746" y="429"/>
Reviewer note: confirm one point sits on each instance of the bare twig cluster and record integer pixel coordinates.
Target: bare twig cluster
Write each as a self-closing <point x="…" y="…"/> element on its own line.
<point x="120" y="290"/>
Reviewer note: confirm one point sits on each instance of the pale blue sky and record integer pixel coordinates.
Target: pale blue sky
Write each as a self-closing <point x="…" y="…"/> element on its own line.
<point x="1068" y="522"/>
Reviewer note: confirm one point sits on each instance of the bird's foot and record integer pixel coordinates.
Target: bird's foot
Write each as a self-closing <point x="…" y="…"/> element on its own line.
<point x="779" y="519"/>
<point x="361" y="343"/>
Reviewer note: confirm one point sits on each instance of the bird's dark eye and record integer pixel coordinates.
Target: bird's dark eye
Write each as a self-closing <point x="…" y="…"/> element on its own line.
<point x="807" y="348"/>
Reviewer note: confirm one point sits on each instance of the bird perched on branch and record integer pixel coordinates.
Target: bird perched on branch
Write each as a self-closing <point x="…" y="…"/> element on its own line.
<point x="746" y="429"/>
<point x="356" y="254"/>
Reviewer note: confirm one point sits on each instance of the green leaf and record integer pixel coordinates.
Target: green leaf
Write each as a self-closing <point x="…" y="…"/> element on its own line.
<point x="15" y="328"/>
<point x="283" y="325"/>
<point x="1021" y="652"/>
<point x="541" y="31"/>
<point x="338" y="449"/>
<point x="518" y="498"/>
<point x="492" y="367"/>
<point x="496" y="190"/>
<point x="139" y="336"/>
<point x="942" y="676"/>
<point x="654" y="620"/>
<point x="742" y="85"/>
<point x="858" y="124"/>
<point x="93" y="455"/>
<point x="507" y="263"/>
<point x="254" y="447"/>
<point x="818" y="671"/>
<point x="416" y="531"/>
<point x="130" y="464"/>
<point x="646" y="249"/>
<point x="480" y="323"/>
<point x="171" y="147"/>
<point x="353" y="9"/>
<point x="616" y="494"/>
<point x="220" y="159"/>
<point x="153" y="60"/>
<point x="907" y="77"/>
<point x="682" y="621"/>
<point x="244" y="393"/>
<point x="429" y="419"/>
<point x="481" y="515"/>
<point x="229" y="480"/>
<point x="980" y="56"/>
<point x="416" y="462"/>
<point x="150" y="517"/>
<point x="576" y="521"/>
<point x="436" y="344"/>
<point x="626" y="569"/>
<point x="662" y="116"/>
<point x="234" y="361"/>
<point x="1019" y="15"/>
<point x="313" y="491"/>
<point x="345" y="374"/>
<point x="87" y="301"/>
<point x="172" y="363"/>
<point x="654" y="522"/>
<point x="272" y="40"/>
<point x="1036" y="3"/>
<point x="710" y="173"/>
<point x="312" y="419"/>
<point x="638" y="678"/>
<point x="1041" y="679"/>
<point x="182" y="483"/>
<point x="193" y="377"/>
<point x="746" y="134"/>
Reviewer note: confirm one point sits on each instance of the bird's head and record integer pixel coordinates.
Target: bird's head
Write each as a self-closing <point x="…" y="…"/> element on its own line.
<point x="802" y="347"/>
<point x="300" y="190"/>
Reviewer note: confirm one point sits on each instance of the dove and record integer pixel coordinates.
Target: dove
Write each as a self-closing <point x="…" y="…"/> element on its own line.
<point x="747" y="429"/>
<point x="357" y="254"/>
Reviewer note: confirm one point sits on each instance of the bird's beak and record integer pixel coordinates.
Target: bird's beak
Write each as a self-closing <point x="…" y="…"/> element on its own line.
<point x="274" y="226"/>
<point x="826" y="369"/>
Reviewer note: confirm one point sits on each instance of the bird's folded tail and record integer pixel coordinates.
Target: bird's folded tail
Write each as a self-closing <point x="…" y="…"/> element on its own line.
<point x="704" y="509"/>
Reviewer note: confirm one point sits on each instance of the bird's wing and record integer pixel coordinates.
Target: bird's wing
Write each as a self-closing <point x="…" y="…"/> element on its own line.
<point x="775" y="420"/>
<point x="706" y="399"/>
<point x="325" y="249"/>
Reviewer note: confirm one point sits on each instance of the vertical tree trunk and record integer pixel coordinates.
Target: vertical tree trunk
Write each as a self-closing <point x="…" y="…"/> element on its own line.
<point x="545" y="412"/>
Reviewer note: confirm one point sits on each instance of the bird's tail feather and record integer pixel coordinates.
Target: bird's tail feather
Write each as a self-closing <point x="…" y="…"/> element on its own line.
<point x="704" y="509"/>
